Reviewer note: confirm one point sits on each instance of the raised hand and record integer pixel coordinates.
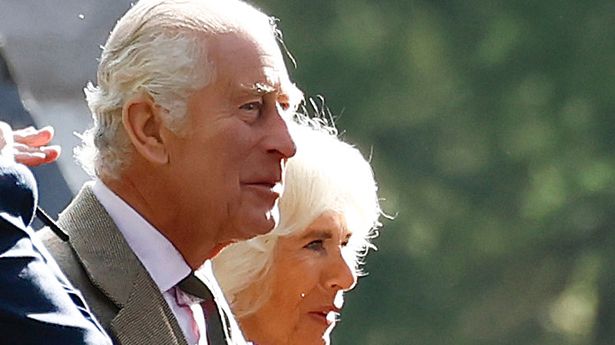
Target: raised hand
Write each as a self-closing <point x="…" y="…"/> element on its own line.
<point x="28" y="146"/>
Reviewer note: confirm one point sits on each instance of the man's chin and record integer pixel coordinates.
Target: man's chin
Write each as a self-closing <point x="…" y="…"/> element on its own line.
<point x="218" y="248"/>
<point x="249" y="225"/>
<point x="265" y="227"/>
<point x="274" y="215"/>
<point x="262" y="225"/>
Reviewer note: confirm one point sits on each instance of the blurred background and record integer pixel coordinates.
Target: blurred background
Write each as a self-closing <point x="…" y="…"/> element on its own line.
<point x="491" y="127"/>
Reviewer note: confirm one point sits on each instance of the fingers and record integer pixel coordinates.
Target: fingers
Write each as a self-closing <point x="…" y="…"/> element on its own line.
<point x="28" y="145"/>
<point x="33" y="137"/>
<point x="34" y="156"/>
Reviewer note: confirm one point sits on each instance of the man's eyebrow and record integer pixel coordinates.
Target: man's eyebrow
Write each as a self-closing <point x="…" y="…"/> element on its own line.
<point x="292" y="94"/>
<point x="259" y="89"/>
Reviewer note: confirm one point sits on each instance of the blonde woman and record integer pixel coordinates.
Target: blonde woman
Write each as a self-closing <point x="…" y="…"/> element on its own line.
<point x="286" y="287"/>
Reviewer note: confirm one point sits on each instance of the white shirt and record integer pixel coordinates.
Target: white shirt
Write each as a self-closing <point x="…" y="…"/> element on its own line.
<point x="160" y="258"/>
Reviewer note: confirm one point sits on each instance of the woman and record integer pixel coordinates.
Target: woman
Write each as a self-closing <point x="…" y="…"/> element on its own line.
<point x="286" y="287"/>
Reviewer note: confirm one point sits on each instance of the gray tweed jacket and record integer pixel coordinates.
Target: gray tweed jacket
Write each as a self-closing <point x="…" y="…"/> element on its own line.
<point x="118" y="289"/>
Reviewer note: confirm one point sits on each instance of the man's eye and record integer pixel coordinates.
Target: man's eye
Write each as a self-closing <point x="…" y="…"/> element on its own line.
<point x="316" y="245"/>
<point x="251" y="106"/>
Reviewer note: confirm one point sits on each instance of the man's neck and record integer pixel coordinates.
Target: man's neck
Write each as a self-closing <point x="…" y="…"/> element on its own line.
<point x="157" y="207"/>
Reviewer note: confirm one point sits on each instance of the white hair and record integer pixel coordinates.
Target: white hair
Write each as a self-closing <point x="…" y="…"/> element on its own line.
<point x="326" y="174"/>
<point x="158" y="48"/>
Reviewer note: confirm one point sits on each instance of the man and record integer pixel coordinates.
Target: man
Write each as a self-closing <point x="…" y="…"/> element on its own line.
<point x="37" y="304"/>
<point x="188" y="148"/>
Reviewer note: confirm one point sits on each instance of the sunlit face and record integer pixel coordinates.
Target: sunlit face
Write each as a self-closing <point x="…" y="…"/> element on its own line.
<point x="311" y="269"/>
<point x="229" y="162"/>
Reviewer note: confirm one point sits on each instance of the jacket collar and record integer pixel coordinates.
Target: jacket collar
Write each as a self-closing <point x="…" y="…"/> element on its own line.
<point x="144" y="315"/>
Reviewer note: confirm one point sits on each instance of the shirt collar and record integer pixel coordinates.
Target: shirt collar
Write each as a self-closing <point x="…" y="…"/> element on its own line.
<point x="160" y="258"/>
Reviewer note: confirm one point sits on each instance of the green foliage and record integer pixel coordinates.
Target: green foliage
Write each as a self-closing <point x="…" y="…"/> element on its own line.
<point x="493" y="138"/>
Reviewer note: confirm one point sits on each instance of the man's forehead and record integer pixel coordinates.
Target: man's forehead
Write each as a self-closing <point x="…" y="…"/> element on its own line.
<point x="252" y="65"/>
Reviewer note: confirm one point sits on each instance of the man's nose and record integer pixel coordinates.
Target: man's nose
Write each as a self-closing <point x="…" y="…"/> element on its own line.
<point x="280" y="139"/>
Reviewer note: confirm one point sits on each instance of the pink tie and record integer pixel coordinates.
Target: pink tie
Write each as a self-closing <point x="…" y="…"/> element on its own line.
<point x="216" y="321"/>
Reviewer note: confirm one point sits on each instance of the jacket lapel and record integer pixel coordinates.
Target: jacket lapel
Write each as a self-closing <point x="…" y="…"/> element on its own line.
<point x="144" y="316"/>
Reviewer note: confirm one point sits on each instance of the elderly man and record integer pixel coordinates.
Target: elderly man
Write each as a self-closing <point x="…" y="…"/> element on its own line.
<point x="37" y="304"/>
<point x="188" y="147"/>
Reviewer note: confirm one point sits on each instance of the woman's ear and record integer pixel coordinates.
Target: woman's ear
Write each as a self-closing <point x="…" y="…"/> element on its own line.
<point x="143" y="124"/>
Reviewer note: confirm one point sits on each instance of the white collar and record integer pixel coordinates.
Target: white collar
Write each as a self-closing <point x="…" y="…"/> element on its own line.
<point x="160" y="258"/>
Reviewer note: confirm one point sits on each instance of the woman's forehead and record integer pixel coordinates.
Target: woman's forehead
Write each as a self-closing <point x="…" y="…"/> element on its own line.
<point x="327" y="225"/>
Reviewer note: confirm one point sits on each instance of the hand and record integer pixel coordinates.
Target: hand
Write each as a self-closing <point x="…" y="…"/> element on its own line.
<point x="28" y="145"/>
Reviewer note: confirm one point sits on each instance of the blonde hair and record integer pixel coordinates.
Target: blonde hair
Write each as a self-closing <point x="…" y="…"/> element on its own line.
<point x="158" y="48"/>
<point x="326" y="174"/>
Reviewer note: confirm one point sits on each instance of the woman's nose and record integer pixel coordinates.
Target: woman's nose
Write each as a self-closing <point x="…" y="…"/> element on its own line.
<point x="342" y="275"/>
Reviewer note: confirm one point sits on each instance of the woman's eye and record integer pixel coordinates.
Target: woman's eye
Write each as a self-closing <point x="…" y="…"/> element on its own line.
<point x="284" y="105"/>
<point x="346" y="240"/>
<point x="316" y="245"/>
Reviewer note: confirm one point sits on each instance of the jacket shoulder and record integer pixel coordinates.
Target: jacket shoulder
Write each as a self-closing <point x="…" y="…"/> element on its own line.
<point x="18" y="192"/>
<point x="72" y="266"/>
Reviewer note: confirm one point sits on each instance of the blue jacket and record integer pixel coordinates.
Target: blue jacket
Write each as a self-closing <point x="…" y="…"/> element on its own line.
<point x="37" y="303"/>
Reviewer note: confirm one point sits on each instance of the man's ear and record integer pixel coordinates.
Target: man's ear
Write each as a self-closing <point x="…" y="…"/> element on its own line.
<point x="143" y="124"/>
